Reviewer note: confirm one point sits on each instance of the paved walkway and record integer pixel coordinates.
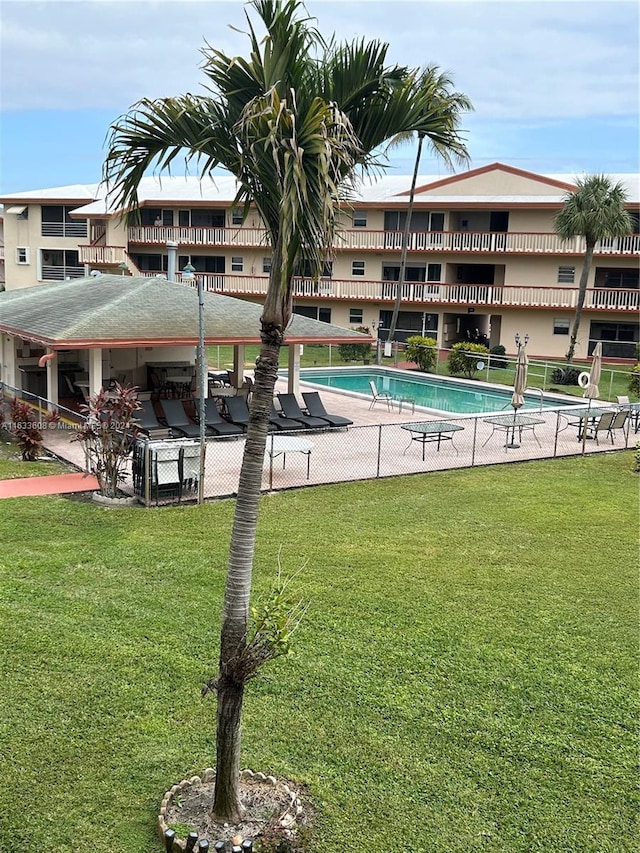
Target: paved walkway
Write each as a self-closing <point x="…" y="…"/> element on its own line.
<point x="53" y="484"/>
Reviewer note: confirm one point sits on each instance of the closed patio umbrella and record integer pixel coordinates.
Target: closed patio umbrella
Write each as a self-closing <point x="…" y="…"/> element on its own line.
<point x="519" y="385"/>
<point x="592" y="391"/>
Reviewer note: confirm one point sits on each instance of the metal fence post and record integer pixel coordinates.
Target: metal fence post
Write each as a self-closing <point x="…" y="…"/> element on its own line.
<point x="147" y="474"/>
<point x="379" y="450"/>
<point x="473" y="446"/>
<point x="555" y="441"/>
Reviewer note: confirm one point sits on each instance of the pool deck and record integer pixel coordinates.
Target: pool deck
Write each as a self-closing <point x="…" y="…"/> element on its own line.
<point x="377" y="446"/>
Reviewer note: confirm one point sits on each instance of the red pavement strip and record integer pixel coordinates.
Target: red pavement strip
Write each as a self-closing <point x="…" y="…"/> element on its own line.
<point x="55" y="484"/>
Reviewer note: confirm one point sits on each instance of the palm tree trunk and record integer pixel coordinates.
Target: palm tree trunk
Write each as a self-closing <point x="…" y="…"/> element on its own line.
<point x="405" y="241"/>
<point x="582" y="291"/>
<point x="227" y="806"/>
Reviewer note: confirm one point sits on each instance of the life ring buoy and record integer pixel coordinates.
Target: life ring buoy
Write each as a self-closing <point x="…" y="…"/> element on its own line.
<point x="584" y="379"/>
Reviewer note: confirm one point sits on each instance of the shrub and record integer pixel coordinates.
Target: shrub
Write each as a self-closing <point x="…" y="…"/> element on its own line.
<point x="497" y="354"/>
<point x="636" y="459"/>
<point x="634" y="381"/>
<point x="355" y="352"/>
<point x="464" y="358"/>
<point x="108" y="434"/>
<point x="26" y="430"/>
<point x="422" y="351"/>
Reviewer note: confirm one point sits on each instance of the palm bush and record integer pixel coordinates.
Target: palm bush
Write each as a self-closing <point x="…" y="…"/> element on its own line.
<point x="422" y="351"/>
<point x="465" y="357"/>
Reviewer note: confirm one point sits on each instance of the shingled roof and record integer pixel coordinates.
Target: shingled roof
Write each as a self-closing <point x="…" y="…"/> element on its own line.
<point x="125" y="311"/>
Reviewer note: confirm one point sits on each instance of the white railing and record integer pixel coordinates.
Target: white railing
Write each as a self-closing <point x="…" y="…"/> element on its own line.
<point x="50" y="273"/>
<point x="493" y="242"/>
<point x="423" y="293"/>
<point x="102" y="254"/>
<point x="64" y="229"/>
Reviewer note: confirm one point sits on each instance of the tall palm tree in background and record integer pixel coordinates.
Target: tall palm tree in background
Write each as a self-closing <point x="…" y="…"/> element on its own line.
<point x="596" y="211"/>
<point x="292" y="122"/>
<point x="451" y="104"/>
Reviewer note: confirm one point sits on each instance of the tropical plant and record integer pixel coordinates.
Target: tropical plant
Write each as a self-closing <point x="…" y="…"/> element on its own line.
<point x="634" y="380"/>
<point x="422" y="351"/>
<point x="450" y="105"/>
<point x="596" y="211"/>
<point x="28" y="432"/>
<point x="498" y="357"/>
<point x="292" y="123"/>
<point x="465" y="357"/>
<point x="356" y="352"/>
<point x="107" y="434"/>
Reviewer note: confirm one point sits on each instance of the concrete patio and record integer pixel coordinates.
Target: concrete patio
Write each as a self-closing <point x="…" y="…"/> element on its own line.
<point x="375" y="446"/>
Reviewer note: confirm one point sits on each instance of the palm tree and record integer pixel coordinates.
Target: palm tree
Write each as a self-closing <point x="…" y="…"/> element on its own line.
<point x="451" y="104"/>
<point x="596" y="211"/>
<point x="292" y="122"/>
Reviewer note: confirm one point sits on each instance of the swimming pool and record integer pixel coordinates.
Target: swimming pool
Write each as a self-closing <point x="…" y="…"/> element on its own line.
<point x="456" y="396"/>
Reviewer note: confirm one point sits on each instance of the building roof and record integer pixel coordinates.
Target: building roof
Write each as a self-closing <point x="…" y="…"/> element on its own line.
<point x="125" y="311"/>
<point x="462" y="189"/>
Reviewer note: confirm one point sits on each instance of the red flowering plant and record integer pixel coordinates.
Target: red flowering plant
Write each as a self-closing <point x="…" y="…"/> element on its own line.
<point x="108" y="434"/>
<point x="24" y="424"/>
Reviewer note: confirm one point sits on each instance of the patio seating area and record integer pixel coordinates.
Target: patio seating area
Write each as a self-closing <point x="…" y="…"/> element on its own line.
<point x="376" y="444"/>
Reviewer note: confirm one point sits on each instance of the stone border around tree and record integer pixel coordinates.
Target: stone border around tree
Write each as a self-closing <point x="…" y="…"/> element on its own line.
<point x="288" y="821"/>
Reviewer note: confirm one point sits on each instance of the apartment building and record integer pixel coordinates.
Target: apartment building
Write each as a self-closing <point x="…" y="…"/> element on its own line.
<point x="483" y="259"/>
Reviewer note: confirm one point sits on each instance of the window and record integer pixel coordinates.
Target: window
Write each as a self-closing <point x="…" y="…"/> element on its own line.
<point x="322" y="314"/>
<point x="237" y="264"/>
<point x="359" y="219"/>
<point x="58" y="265"/>
<point x="22" y="255"/>
<point x="434" y="272"/>
<point x="237" y="217"/>
<point x="357" y="267"/>
<point x="57" y="222"/>
<point x="355" y="316"/>
<point x="566" y="275"/>
<point x="560" y="327"/>
<point x="266" y="265"/>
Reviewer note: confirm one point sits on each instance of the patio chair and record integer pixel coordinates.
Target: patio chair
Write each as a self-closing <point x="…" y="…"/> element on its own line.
<point x="618" y="422"/>
<point x="292" y="410"/>
<point x="146" y="419"/>
<point x="213" y="420"/>
<point x="623" y="400"/>
<point x="278" y="421"/>
<point x="177" y="419"/>
<point x="237" y="411"/>
<point x="380" y="396"/>
<point x="315" y="407"/>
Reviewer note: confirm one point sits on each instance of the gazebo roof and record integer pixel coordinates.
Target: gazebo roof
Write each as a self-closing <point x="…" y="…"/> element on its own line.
<point x="126" y="311"/>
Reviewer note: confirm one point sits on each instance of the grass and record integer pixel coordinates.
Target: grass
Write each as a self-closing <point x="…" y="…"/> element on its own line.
<point x="465" y="678"/>
<point x="12" y="466"/>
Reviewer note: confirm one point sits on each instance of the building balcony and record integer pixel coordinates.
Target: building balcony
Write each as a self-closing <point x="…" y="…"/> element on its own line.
<point x="476" y="242"/>
<point x="97" y="256"/>
<point x="431" y="293"/>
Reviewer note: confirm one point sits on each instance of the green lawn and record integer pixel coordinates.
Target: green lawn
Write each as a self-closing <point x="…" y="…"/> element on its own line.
<point x="12" y="466"/>
<point x="465" y="679"/>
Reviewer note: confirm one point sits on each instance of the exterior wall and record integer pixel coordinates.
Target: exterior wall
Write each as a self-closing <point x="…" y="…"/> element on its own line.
<point x="494" y="182"/>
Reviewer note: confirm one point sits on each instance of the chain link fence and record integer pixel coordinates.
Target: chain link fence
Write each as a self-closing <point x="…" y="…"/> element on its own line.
<point x="168" y="471"/>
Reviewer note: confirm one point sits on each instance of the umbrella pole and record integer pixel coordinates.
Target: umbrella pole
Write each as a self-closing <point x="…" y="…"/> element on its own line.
<point x="585" y="427"/>
<point x="513" y="431"/>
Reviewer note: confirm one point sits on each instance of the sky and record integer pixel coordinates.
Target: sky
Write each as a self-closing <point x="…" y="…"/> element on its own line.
<point x="555" y="85"/>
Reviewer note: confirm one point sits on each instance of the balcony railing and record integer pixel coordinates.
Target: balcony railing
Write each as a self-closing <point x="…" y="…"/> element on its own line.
<point x="50" y="273"/>
<point x="431" y="293"/>
<point x="64" y="229"/>
<point x="102" y="255"/>
<point x="509" y="242"/>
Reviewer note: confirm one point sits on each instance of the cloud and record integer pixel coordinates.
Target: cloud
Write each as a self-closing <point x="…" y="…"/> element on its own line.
<point x="514" y="59"/>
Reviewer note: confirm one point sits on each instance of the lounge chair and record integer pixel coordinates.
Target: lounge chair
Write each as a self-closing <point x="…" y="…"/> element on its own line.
<point x="213" y="420"/>
<point x="292" y="410"/>
<point x="380" y="396"/>
<point x="146" y="419"/>
<point x="278" y="421"/>
<point x="237" y="411"/>
<point x="177" y="419"/>
<point x="315" y="407"/>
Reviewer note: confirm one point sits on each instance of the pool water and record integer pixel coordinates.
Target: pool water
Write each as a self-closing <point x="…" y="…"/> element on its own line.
<point x="430" y="392"/>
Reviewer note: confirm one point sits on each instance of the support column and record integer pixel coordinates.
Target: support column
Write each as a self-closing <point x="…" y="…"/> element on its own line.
<point x="95" y="370"/>
<point x="52" y="380"/>
<point x="9" y="369"/>
<point x="238" y="365"/>
<point x="293" y="385"/>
